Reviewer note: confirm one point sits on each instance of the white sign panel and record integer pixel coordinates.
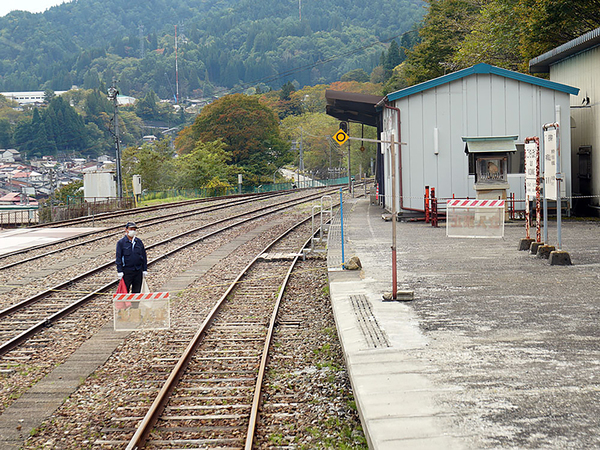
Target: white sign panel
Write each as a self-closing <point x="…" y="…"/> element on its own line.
<point x="550" y="156"/>
<point x="141" y="311"/>
<point x="531" y="158"/>
<point x="475" y="218"/>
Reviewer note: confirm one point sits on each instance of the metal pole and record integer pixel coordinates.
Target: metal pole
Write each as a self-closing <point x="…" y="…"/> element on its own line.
<point x="526" y="197"/>
<point x="113" y="94"/>
<point x="538" y="233"/>
<point x="394" y="272"/>
<point x="558" y="181"/>
<point x="342" y="223"/>
<point x="349" y="174"/>
<point x="301" y="156"/>
<point x="545" y="200"/>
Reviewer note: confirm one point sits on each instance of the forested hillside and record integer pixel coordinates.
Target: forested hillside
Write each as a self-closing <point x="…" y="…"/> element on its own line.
<point x="223" y="43"/>
<point x="456" y="34"/>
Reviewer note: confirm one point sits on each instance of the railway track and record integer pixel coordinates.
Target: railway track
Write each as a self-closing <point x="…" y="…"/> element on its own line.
<point x="116" y="397"/>
<point x="112" y="231"/>
<point x="17" y="268"/>
<point x="211" y="397"/>
<point x="141" y="210"/>
<point x="24" y="319"/>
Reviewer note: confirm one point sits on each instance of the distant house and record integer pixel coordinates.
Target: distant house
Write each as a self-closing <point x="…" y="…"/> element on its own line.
<point x="9" y="155"/>
<point x="28" y="97"/>
<point x="15" y="198"/>
<point x="149" y="138"/>
<point x="577" y="63"/>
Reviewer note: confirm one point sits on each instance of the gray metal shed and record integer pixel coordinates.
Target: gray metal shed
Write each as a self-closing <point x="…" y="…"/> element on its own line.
<point x="578" y="62"/>
<point x="482" y="100"/>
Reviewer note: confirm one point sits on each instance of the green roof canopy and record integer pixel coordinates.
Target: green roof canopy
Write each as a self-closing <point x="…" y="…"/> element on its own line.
<point x="489" y="144"/>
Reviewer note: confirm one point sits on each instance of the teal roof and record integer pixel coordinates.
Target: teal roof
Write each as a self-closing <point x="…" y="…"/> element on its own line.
<point x="482" y="69"/>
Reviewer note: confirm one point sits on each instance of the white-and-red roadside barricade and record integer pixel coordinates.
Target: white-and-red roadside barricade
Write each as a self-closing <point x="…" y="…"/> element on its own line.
<point x="148" y="311"/>
<point x="475" y="218"/>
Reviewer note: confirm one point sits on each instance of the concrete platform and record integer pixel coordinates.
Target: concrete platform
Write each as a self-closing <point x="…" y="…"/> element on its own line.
<point x="498" y="349"/>
<point x="393" y="391"/>
<point x="22" y="238"/>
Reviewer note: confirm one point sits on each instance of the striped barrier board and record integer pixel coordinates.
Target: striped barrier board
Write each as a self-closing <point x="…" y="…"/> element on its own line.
<point x="460" y="203"/>
<point x="147" y="311"/>
<point x="475" y="218"/>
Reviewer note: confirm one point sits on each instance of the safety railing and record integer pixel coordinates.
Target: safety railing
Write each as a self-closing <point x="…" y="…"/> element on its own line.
<point x="20" y="216"/>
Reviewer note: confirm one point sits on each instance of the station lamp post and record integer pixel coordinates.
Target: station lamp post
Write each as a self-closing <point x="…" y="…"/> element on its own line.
<point x="112" y="95"/>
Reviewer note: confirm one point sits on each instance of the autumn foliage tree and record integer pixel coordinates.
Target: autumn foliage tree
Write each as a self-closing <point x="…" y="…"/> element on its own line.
<point x="249" y="130"/>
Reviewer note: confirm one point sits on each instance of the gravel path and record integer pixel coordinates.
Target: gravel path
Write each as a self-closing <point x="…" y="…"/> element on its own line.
<point x="518" y="338"/>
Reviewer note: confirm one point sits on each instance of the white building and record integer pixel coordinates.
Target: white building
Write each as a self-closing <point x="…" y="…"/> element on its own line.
<point x="9" y="155"/>
<point x="431" y="119"/>
<point x="124" y="100"/>
<point x="578" y="63"/>
<point x="28" y="98"/>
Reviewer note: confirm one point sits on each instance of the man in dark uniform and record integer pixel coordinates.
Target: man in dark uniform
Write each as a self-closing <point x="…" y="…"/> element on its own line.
<point x="132" y="263"/>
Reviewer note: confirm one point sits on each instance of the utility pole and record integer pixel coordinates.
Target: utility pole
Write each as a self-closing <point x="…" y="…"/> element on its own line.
<point x="301" y="151"/>
<point x="112" y="95"/>
<point x="300" y="158"/>
<point x="176" y="68"/>
<point x="142" y="39"/>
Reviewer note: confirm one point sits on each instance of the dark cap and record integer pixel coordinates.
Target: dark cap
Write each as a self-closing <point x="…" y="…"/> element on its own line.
<point x="130" y="225"/>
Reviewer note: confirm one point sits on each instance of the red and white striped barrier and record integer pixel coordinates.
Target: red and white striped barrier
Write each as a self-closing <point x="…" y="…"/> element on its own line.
<point x="147" y="311"/>
<point x="461" y="203"/>
<point x="141" y="297"/>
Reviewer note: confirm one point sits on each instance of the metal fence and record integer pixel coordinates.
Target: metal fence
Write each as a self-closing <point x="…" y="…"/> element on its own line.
<point x="217" y="192"/>
<point x="80" y="207"/>
<point x="18" y="216"/>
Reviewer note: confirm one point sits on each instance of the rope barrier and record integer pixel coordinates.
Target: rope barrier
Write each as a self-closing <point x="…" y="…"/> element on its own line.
<point x="507" y="199"/>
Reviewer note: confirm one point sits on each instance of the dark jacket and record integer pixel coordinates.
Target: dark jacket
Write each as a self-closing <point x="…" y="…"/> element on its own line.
<point x="131" y="258"/>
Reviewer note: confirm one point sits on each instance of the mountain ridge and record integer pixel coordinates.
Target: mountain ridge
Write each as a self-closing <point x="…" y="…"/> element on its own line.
<point x="225" y="43"/>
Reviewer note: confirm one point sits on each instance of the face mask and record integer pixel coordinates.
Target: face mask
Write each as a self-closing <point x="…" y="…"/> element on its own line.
<point x="131" y="233"/>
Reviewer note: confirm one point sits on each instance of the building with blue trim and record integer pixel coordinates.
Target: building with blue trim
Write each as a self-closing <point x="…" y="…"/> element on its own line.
<point x="431" y="118"/>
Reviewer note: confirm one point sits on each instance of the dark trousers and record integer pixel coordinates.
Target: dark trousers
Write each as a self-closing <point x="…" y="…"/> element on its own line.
<point x="133" y="280"/>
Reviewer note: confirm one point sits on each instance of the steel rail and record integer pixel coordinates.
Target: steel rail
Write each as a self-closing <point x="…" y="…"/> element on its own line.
<point x="143" y="209"/>
<point x="12" y="343"/>
<point x="256" y="401"/>
<point x="158" y="405"/>
<point x="119" y="227"/>
<point x="123" y="212"/>
<point x="146" y="222"/>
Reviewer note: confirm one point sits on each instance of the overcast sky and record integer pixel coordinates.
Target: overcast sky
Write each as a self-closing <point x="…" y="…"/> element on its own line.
<point x="33" y="6"/>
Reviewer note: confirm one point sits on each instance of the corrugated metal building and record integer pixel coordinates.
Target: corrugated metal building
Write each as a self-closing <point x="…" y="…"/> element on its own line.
<point x="578" y="63"/>
<point x="482" y="100"/>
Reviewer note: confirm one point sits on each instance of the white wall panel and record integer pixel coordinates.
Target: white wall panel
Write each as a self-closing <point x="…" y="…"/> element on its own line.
<point x="477" y="105"/>
<point x="583" y="71"/>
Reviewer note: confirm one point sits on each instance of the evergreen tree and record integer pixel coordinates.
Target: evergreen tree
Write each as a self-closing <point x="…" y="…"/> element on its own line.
<point x="286" y="91"/>
<point x="6" y="133"/>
